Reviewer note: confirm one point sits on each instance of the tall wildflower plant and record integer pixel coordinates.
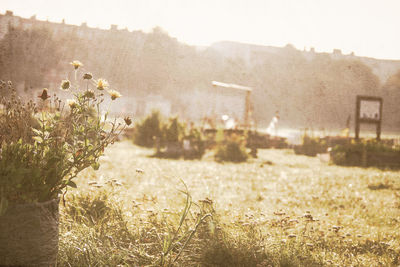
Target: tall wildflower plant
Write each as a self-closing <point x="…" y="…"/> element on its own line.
<point x="43" y="149"/>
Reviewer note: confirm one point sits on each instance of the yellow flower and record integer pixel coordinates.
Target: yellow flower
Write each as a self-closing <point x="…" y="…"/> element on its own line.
<point x="114" y="94"/>
<point x="102" y="84"/>
<point x="72" y="103"/>
<point x="76" y="64"/>
<point x="65" y="84"/>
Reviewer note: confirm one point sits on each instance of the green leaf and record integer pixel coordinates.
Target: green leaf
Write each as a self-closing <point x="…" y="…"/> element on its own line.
<point x="38" y="139"/>
<point x="96" y="166"/>
<point x="71" y="184"/>
<point x="36" y="131"/>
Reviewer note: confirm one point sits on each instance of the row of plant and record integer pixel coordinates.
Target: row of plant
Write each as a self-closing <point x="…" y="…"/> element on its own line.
<point x="172" y="138"/>
<point x="347" y="152"/>
<point x="366" y="153"/>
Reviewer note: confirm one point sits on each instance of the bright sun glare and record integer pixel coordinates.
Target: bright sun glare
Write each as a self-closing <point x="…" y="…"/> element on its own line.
<point x="368" y="28"/>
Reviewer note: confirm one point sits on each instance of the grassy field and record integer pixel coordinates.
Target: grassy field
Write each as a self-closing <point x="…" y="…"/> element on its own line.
<point x="280" y="209"/>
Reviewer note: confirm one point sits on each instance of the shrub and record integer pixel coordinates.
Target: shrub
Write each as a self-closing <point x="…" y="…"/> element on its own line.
<point x="230" y="148"/>
<point x="197" y="145"/>
<point x="173" y="131"/>
<point x="149" y="130"/>
<point x="172" y="140"/>
<point x="169" y="144"/>
<point x="311" y="146"/>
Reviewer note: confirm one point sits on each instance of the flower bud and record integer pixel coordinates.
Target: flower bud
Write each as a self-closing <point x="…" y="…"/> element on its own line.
<point x="65" y="84"/>
<point x="87" y="76"/>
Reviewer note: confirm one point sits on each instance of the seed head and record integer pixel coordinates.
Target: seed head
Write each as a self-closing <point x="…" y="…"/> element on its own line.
<point x="87" y="76"/>
<point x="128" y="121"/>
<point x="65" y="84"/>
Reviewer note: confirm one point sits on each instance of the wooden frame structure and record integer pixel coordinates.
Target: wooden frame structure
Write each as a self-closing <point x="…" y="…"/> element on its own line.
<point x="369" y="111"/>
<point x="248" y="90"/>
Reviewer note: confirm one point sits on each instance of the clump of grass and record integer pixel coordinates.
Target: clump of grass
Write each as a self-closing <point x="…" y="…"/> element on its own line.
<point x="177" y="238"/>
<point x="380" y="186"/>
<point x="95" y="231"/>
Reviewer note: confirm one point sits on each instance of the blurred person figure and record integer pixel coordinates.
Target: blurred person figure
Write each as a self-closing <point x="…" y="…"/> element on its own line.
<point x="272" y="127"/>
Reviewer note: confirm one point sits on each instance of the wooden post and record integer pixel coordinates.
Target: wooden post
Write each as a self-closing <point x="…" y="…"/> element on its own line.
<point x="247" y="110"/>
<point x="379" y="125"/>
<point x="357" y="118"/>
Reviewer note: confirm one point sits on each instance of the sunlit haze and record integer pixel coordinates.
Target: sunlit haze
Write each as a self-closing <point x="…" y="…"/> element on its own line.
<point x="367" y="28"/>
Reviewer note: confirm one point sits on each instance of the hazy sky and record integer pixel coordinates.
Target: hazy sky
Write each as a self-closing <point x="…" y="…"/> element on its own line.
<point x="367" y="27"/>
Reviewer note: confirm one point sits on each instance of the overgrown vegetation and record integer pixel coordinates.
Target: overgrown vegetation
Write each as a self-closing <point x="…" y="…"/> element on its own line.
<point x="295" y="211"/>
<point x="149" y="131"/>
<point x="367" y="153"/>
<point x="231" y="151"/>
<point x="44" y="146"/>
<point x="109" y="234"/>
<point x="197" y="144"/>
<point x="311" y="146"/>
<point x="230" y="148"/>
<point x="173" y="133"/>
<point x="170" y="138"/>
